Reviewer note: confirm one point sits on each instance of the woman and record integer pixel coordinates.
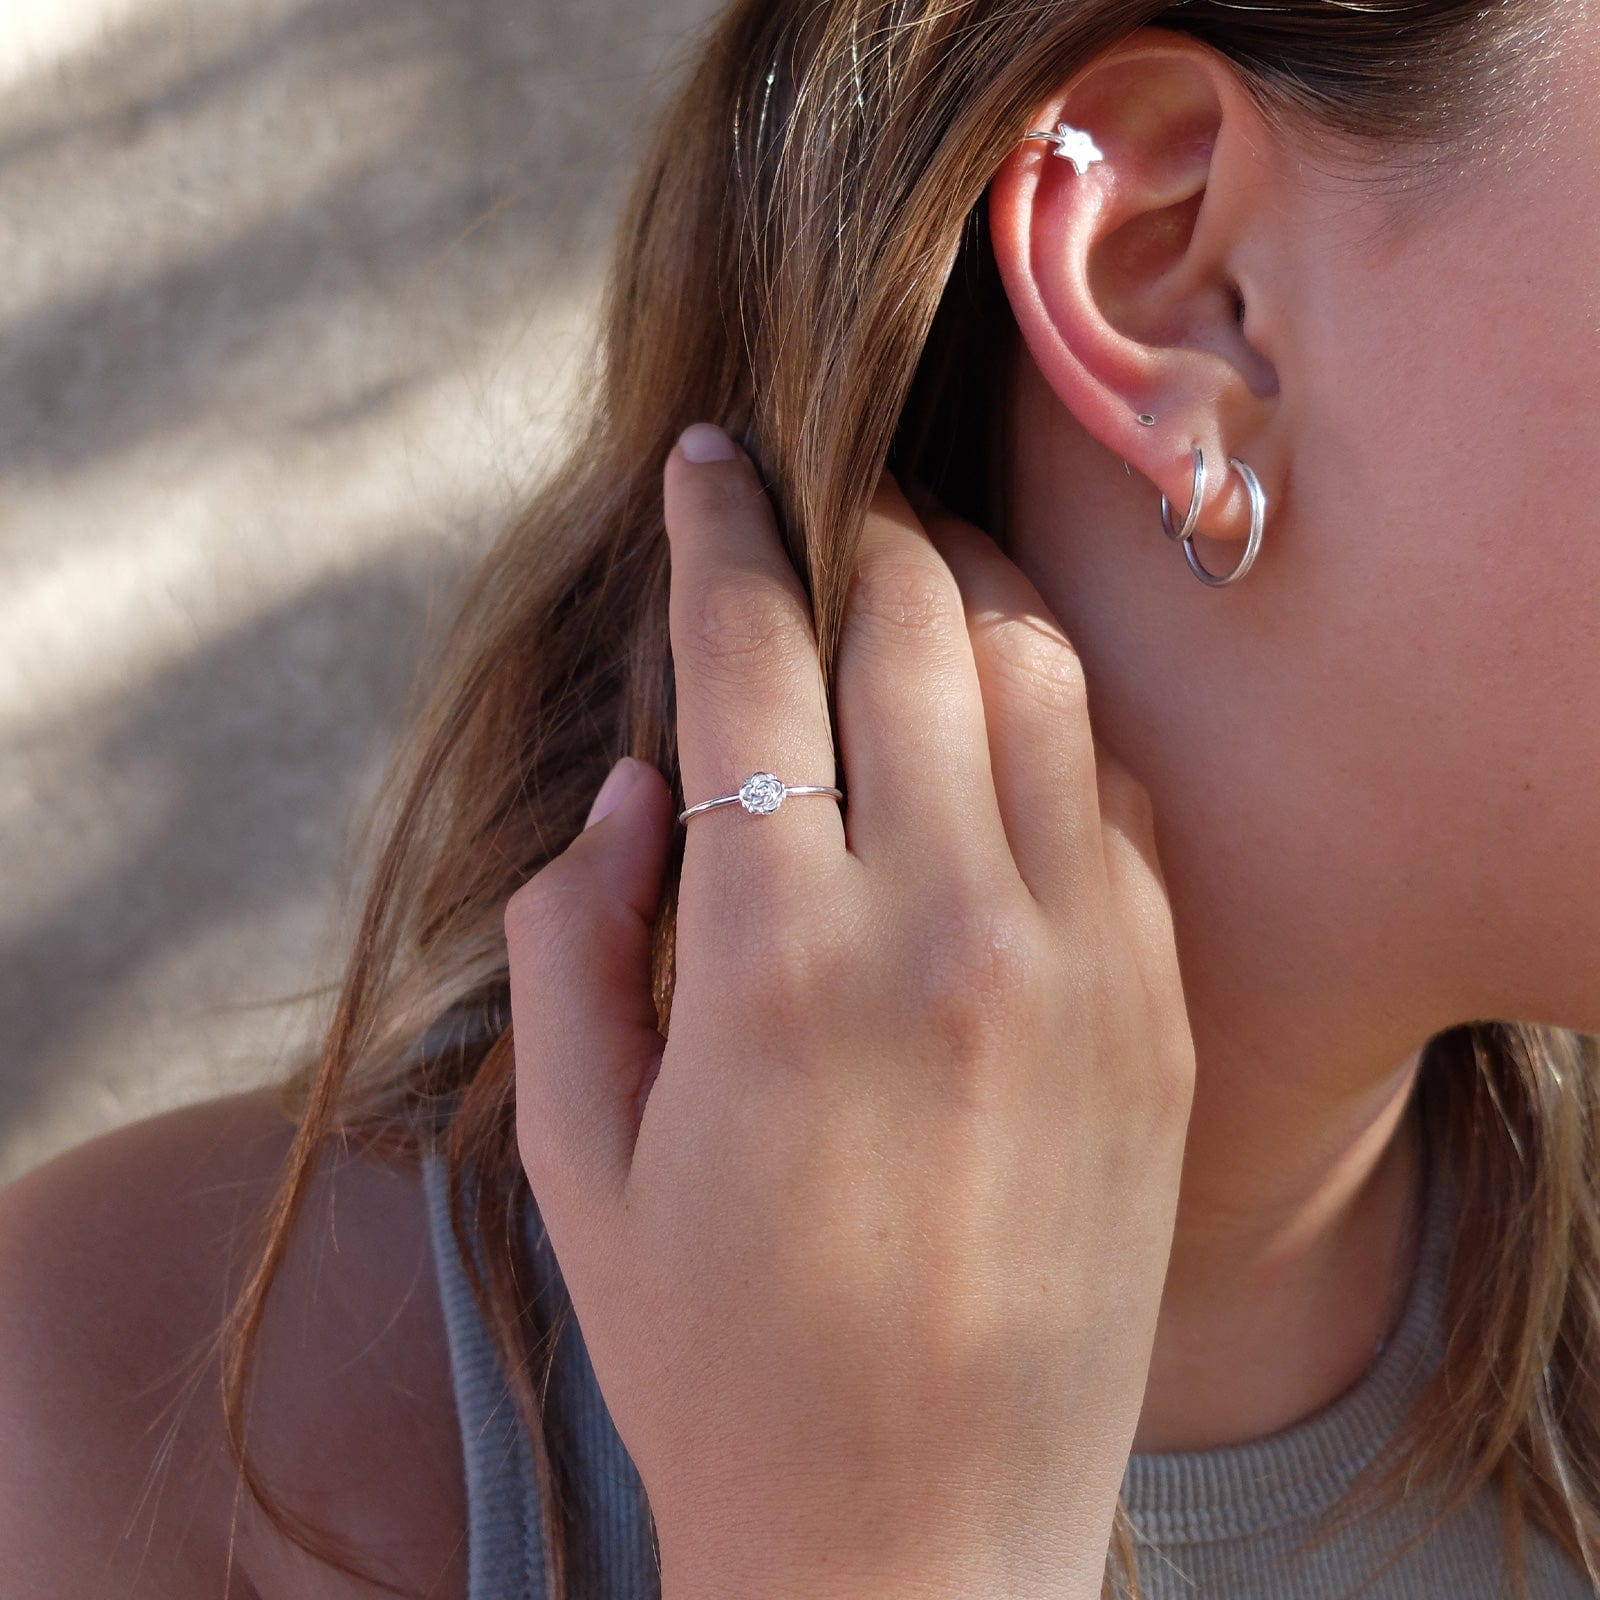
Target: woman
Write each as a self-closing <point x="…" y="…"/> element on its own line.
<point x="1013" y="1207"/>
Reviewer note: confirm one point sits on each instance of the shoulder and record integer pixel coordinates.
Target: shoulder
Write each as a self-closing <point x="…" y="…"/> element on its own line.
<point x="118" y="1261"/>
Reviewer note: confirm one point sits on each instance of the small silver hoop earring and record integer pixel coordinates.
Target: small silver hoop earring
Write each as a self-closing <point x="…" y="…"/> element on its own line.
<point x="1258" y="521"/>
<point x="1195" y="496"/>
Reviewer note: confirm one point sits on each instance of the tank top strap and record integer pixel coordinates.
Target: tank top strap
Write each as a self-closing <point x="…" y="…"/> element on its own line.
<point x="610" y="1553"/>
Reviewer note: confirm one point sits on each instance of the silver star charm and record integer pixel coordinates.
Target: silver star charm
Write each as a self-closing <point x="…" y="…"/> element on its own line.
<point x="1076" y="145"/>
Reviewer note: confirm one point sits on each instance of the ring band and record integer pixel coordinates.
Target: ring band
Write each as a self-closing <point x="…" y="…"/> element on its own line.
<point x="762" y="793"/>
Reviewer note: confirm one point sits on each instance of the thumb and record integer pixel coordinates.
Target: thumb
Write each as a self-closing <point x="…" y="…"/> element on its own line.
<point x="582" y="1015"/>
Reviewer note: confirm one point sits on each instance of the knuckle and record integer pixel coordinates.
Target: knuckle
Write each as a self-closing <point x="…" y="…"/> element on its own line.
<point x="534" y="1147"/>
<point x="1167" y="1091"/>
<point x="553" y="1165"/>
<point x="1156" y="1089"/>
<point x="540" y="913"/>
<point x="1138" y="796"/>
<point x="737" y="625"/>
<point x="795" y="980"/>
<point x="520" y="917"/>
<point x="906" y="596"/>
<point x="978" y="969"/>
<point x="1038" y="664"/>
<point x="1123" y="796"/>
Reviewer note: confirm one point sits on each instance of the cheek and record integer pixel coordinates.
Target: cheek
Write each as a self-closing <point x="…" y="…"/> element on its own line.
<point x="1444" y="495"/>
<point x="1467" y="437"/>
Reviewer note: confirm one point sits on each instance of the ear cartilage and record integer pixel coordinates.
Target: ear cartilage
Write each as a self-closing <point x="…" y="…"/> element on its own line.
<point x="1073" y="143"/>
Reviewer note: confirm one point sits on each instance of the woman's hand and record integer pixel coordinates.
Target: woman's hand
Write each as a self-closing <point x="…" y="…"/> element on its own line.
<point x="869" y="1274"/>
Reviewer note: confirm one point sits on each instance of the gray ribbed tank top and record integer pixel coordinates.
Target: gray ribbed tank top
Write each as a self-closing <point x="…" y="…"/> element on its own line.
<point x="1217" y="1524"/>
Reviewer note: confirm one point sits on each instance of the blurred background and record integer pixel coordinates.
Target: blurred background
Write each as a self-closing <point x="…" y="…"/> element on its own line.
<point x="291" y="294"/>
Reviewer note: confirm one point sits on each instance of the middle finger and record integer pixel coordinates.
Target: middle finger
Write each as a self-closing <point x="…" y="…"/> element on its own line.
<point x="912" y="731"/>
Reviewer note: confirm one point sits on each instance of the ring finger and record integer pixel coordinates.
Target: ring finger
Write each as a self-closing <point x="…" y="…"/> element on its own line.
<point x="749" y="684"/>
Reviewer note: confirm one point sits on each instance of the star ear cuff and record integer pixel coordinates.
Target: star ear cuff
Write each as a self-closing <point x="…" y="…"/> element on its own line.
<point x="1073" y="143"/>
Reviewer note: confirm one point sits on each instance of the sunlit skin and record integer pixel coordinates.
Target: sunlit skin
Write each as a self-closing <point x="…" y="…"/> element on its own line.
<point x="1373" y="765"/>
<point x="1375" y="759"/>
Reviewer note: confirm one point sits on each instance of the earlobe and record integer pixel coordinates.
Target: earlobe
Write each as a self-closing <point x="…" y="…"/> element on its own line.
<point x="1126" y="277"/>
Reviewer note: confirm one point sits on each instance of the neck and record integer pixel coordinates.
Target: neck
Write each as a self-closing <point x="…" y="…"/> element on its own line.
<point x="1294" y="1246"/>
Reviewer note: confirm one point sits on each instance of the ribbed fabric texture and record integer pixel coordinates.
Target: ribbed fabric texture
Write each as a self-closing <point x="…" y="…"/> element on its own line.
<point x="1219" y="1524"/>
<point x="505" y="1549"/>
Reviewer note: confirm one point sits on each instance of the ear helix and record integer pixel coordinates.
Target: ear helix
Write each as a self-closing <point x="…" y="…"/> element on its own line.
<point x="1074" y="144"/>
<point x="1077" y="146"/>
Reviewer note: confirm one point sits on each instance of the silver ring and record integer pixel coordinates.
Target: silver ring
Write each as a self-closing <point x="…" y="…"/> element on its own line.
<point x="761" y="794"/>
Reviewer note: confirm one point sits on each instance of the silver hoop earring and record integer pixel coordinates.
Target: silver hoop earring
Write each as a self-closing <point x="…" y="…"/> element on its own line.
<point x="1258" y="522"/>
<point x="1196" y="495"/>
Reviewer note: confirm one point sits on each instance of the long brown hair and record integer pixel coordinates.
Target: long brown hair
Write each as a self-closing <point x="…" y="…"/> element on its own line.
<point x="804" y="259"/>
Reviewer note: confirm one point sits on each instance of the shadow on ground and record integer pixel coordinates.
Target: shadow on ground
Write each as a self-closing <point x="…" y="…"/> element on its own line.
<point x="294" y="292"/>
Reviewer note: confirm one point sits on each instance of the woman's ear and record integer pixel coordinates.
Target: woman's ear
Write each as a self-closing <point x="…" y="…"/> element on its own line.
<point x="1153" y="281"/>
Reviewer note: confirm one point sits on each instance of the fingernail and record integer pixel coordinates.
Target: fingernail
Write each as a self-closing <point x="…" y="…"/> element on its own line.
<point x="613" y="791"/>
<point x="705" y="441"/>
